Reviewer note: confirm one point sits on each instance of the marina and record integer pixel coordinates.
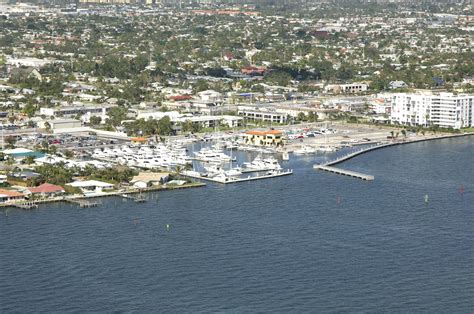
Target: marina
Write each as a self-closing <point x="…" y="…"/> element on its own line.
<point x="323" y="227"/>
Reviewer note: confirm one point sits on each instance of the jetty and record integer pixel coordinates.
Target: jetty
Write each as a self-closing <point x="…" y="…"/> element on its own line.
<point x="229" y="180"/>
<point x="83" y="203"/>
<point x="348" y="173"/>
<point x="328" y="165"/>
<point x="139" y="198"/>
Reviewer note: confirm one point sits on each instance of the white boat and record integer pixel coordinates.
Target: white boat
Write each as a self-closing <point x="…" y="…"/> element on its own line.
<point x="305" y="150"/>
<point x="326" y="148"/>
<point x="285" y="156"/>
<point x="259" y="164"/>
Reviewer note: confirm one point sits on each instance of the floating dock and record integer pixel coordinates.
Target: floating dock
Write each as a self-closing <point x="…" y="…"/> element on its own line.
<point x="249" y="178"/>
<point x="349" y="173"/>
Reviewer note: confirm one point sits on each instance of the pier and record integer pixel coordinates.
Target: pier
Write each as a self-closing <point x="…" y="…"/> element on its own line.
<point x="249" y="178"/>
<point x="140" y="198"/>
<point x="328" y="165"/>
<point x="83" y="203"/>
<point x="348" y="173"/>
<point x="26" y="206"/>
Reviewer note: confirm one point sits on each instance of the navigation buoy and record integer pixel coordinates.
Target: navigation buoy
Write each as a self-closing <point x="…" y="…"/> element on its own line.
<point x="461" y="189"/>
<point x="167" y="227"/>
<point x="426" y="198"/>
<point x="338" y="200"/>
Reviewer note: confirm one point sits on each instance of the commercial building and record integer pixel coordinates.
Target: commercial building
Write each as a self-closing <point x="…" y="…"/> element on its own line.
<point x="346" y="88"/>
<point x="445" y="110"/>
<point x="72" y="111"/>
<point x="264" y="138"/>
<point x="262" y="115"/>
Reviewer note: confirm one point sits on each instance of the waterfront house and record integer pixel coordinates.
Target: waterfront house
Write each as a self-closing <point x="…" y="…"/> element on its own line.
<point x="264" y="138"/>
<point x="92" y="187"/>
<point x="147" y="179"/>
<point x="46" y="190"/>
<point x="7" y="196"/>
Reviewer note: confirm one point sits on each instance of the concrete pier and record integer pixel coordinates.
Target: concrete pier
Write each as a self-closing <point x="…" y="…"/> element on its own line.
<point x="327" y="166"/>
<point x="236" y="180"/>
<point x="349" y="173"/>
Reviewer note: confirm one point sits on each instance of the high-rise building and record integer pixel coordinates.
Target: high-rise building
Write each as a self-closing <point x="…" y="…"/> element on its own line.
<point x="446" y="110"/>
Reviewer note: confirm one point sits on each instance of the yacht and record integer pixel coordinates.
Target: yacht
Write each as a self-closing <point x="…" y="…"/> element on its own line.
<point x="305" y="150"/>
<point x="259" y="164"/>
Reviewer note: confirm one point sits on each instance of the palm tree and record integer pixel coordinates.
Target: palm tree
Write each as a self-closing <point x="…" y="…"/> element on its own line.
<point x="178" y="171"/>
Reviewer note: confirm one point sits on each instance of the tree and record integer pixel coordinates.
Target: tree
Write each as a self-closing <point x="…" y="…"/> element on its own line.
<point x="116" y="115"/>
<point x="200" y="86"/>
<point x="301" y="116"/>
<point x="187" y="126"/>
<point x="95" y="120"/>
<point x="29" y="160"/>
<point x="10" y="141"/>
<point x="29" y="110"/>
<point x="47" y="126"/>
<point x="165" y="126"/>
<point x="312" y="116"/>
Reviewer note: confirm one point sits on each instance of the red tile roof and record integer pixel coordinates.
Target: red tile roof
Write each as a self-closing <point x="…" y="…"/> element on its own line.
<point x="274" y="132"/>
<point x="180" y="97"/>
<point x="47" y="188"/>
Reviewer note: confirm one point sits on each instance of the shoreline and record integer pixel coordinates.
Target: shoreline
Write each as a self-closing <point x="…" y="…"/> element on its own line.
<point x="72" y="198"/>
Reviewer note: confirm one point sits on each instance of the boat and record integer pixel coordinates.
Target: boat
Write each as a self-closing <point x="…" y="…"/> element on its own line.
<point x="259" y="164"/>
<point x="305" y="150"/>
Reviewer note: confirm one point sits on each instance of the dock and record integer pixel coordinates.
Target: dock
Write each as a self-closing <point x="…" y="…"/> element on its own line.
<point x="328" y="165"/>
<point x="348" y="173"/>
<point x="83" y="203"/>
<point x="140" y="198"/>
<point x="26" y="206"/>
<point x="229" y="180"/>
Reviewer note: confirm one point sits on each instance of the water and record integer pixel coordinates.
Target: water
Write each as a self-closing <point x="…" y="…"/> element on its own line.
<point x="309" y="242"/>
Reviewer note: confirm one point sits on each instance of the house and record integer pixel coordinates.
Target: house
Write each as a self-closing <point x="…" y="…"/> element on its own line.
<point x="397" y="84"/>
<point x="7" y="196"/>
<point x="210" y="95"/>
<point x="46" y="190"/>
<point x="25" y="175"/>
<point x="91" y="187"/>
<point x="146" y="179"/>
<point x="264" y="138"/>
<point x="251" y="70"/>
<point x="23" y="74"/>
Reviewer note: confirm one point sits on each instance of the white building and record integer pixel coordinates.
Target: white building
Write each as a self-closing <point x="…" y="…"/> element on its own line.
<point x="346" y="88"/>
<point x="262" y="114"/>
<point x="71" y="111"/>
<point x="444" y="109"/>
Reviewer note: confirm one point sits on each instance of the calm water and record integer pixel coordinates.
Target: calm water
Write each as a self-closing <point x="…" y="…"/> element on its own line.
<point x="309" y="242"/>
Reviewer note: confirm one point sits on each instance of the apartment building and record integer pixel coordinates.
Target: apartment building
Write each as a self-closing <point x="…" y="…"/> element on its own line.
<point x="445" y="110"/>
